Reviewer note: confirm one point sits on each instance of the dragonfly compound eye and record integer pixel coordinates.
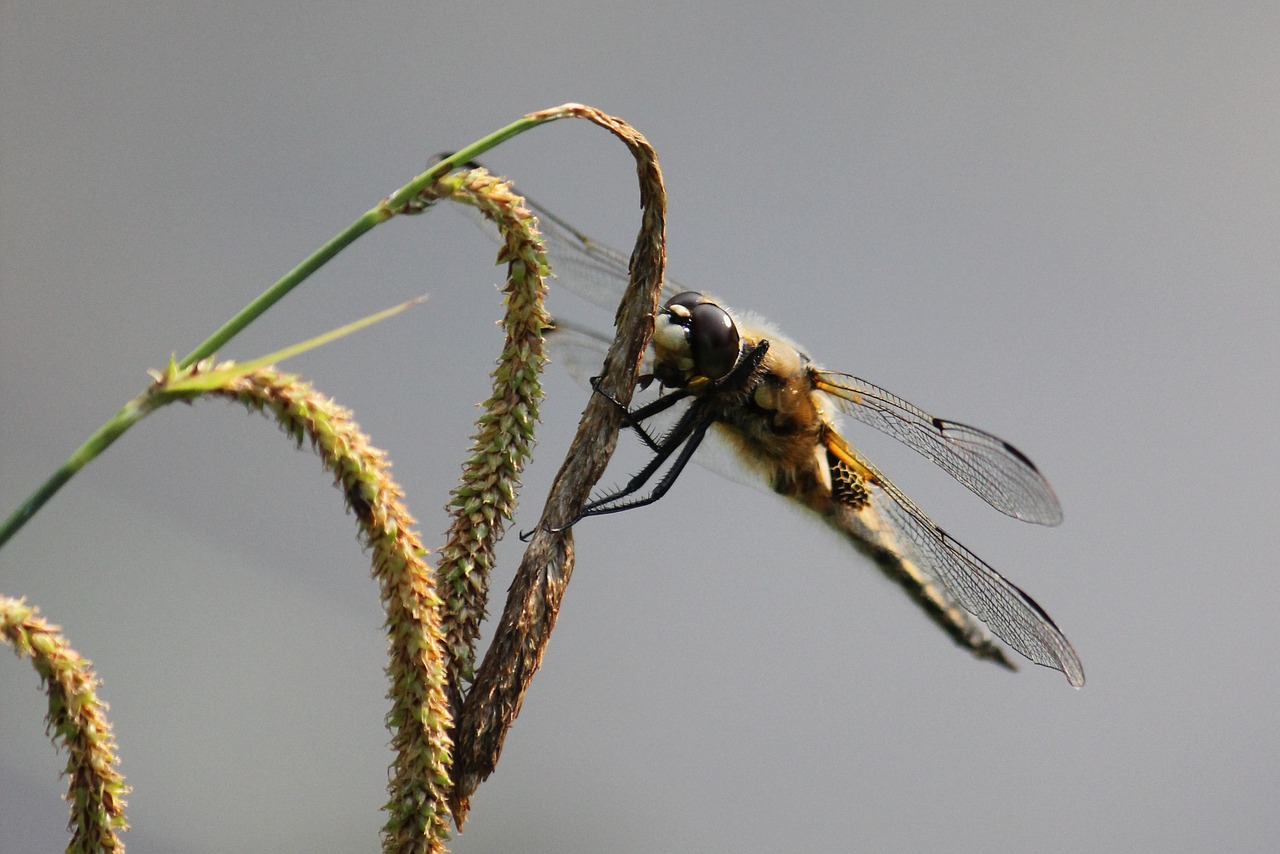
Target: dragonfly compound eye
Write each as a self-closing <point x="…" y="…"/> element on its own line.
<point x="714" y="339"/>
<point x="704" y="331"/>
<point x="687" y="300"/>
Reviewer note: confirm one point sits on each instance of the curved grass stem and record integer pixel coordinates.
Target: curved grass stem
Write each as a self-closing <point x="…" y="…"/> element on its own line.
<point x="383" y="211"/>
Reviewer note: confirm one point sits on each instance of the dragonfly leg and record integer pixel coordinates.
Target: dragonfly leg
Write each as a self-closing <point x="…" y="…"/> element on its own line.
<point x="634" y="418"/>
<point x="686" y="427"/>
<point x="689" y="431"/>
<point x="615" y="503"/>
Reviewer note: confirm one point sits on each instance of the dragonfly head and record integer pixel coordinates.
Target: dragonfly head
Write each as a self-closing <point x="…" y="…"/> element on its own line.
<point x="694" y="338"/>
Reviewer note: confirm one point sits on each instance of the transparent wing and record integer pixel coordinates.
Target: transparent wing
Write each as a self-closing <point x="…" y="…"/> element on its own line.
<point x="1009" y="612"/>
<point x="594" y="271"/>
<point x="989" y="466"/>
<point x="868" y="530"/>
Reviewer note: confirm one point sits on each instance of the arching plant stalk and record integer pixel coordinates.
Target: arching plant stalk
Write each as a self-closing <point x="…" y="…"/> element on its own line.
<point x="389" y="207"/>
<point x="533" y="600"/>
<point x="418" y="812"/>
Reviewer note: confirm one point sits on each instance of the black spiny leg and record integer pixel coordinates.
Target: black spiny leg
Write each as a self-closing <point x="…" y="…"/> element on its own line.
<point x="613" y="503"/>
<point x="688" y="426"/>
<point x="689" y="430"/>
<point x="634" y="418"/>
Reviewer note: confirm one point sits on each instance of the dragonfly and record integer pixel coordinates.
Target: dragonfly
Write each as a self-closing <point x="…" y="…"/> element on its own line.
<point x="732" y="380"/>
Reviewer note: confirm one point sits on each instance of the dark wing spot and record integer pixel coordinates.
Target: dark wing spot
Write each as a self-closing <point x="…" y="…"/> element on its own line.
<point x="1019" y="456"/>
<point x="847" y="486"/>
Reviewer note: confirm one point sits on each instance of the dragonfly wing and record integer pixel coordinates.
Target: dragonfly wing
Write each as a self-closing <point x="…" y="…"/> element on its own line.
<point x="968" y="581"/>
<point x="868" y="530"/>
<point x="989" y="466"/>
<point x="580" y="350"/>
<point x="583" y="265"/>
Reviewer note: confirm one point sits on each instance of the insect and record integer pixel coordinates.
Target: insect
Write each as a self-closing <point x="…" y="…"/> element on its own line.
<point x="737" y="379"/>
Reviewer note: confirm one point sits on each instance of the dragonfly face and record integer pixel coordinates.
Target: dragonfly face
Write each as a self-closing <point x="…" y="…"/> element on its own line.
<point x="748" y="387"/>
<point x="768" y="411"/>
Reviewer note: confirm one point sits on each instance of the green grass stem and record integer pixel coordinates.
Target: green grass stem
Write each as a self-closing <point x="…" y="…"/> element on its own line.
<point x="134" y="410"/>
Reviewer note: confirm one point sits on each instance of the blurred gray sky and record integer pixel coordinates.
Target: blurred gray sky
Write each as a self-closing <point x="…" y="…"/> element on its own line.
<point x="1057" y="223"/>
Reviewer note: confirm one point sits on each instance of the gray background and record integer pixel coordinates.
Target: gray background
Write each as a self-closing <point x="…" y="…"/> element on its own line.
<point x="1056" y="222"/>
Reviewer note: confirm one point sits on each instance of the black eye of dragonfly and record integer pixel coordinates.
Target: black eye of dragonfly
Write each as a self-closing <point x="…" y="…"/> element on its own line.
<point x="713" y="337"/>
